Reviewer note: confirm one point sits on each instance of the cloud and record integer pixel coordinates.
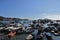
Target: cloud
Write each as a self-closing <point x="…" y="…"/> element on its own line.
<point x="53" y="17"/>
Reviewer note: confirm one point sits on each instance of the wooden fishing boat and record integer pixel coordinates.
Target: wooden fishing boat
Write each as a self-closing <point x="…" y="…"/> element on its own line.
<point x="40" y="36"/>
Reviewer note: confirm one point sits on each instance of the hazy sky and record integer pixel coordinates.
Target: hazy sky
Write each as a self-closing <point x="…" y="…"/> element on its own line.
<point x="31" y="9"/>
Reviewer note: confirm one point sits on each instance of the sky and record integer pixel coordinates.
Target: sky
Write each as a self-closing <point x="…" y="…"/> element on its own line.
<point x="30" y="9"/>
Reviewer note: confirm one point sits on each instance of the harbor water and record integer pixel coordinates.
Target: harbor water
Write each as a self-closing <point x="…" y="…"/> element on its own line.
<point x="23" y="36"/>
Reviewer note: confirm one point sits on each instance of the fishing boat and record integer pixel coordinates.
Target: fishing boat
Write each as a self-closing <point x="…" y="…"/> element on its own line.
<point x="1" y="29"/>
<point x="48" y="36"/>
<point x="4" y="37"/>
<point x="19" y="31"/>
<point x="29" y="30"/>
<point x="55" y="32"/>
<point x="40" y="36"/>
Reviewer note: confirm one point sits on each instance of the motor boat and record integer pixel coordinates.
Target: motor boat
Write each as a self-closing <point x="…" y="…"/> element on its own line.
<point x="29" y="37"/>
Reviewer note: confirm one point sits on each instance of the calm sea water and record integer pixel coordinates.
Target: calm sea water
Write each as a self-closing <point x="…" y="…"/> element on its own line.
<point x="23" y="36"/>
<point x="20" y="37"/>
